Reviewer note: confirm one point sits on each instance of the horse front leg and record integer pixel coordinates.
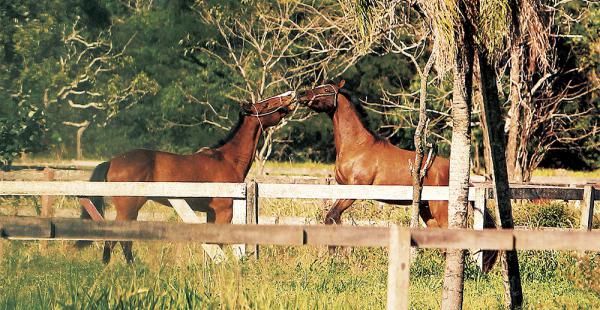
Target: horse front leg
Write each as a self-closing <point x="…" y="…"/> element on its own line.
<point x="222" y="211"/>
<point x="334" y="216"/>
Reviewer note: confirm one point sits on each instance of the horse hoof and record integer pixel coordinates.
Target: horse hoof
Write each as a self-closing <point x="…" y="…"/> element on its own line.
<point x="81" y="244"/>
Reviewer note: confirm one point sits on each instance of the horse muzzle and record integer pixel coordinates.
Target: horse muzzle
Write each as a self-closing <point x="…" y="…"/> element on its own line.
<point x="303" y="99"/>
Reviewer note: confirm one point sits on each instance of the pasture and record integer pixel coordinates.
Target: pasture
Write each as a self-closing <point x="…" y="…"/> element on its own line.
<point x="179" y="276"/>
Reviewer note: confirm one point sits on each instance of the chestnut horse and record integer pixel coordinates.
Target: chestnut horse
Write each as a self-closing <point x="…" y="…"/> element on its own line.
<point x="363" y="158"/>
<point x="228" y="163"/>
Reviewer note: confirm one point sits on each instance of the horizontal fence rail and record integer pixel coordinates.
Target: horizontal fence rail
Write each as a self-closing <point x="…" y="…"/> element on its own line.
<point x="145" y="189"/>
<point x="375" y="192"/>
<point x="81" y="171"/>
<point x="266" y="190"/>
<point x="398" y="192"/>
<point x="77" y="229"/>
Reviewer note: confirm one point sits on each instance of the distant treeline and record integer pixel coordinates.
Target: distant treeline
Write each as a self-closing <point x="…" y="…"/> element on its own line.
<point x="123" y="74"/>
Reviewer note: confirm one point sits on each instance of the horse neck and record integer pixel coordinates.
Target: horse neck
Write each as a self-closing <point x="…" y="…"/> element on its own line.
<point x="348" y="130"/>
<point x="240" y="149"/>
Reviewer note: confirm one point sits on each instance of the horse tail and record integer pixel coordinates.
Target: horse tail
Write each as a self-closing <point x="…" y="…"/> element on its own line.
<point x="489" y="256"/>
<point x="98" y="175"/>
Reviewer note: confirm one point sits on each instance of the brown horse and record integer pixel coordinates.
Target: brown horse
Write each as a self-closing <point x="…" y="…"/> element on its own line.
<point x="229" y="162"/>
<point x="363" y="158"/>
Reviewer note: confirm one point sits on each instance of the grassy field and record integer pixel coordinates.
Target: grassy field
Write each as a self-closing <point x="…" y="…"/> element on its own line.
<point x="543" y="172"/>
<point x="167" y="276"/>
<point x="284" y="278"/>
<point x="171" y="276"/>
<point x="32" y="160"/>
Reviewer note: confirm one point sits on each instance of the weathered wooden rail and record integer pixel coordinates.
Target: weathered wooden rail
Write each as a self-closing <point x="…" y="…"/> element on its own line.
<point x="479" y="196"/>
<point x="34" y="228"/>
<point x="178" y="191"/>
<point x="399" y="240"/>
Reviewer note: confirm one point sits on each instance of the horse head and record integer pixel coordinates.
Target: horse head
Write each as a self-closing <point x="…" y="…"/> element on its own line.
<point x="270" y="111"/>
<point x="322" y="98"/>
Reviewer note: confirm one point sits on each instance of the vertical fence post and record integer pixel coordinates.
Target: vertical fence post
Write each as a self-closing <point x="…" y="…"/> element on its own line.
<point x="240" y="217"/>
<point x="47" y="202"/>
<point x="1" y="243"/>
<point x="479" y="210"/>
<point x="187" y="215"/>
<point x="587" y="208"/>
<point x="255" y="215"/>
<point x="398" y="268"/>
<point x="577" y="202"/>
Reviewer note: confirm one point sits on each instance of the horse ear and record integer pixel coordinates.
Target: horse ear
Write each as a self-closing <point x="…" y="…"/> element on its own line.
<point x="246" y="106"/>
<point x="341" y="83"/>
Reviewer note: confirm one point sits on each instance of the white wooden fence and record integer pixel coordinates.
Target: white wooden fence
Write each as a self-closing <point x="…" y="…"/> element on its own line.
<point x="399" y="240"/>
<point x="176" y="192"/>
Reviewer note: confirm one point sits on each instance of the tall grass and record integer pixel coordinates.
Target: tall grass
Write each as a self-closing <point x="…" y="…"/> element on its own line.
<point x="284" y="278"/>
<point x="167" y="276"/>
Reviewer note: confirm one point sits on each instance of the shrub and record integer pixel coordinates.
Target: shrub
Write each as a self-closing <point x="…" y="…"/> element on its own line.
<point x="553" y="214"/>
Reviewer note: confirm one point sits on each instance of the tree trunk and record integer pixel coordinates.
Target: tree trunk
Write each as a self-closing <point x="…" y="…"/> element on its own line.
<point x="264" y="152"/>
<point x="81" y="127"/>
<point x="514" y="174"/>
<point x="80" y="131"/>
<point x="499" y="175"/>
<point x="418" y="170"/>
<point x="478" y="99"/>
<point x="460" y="155"/>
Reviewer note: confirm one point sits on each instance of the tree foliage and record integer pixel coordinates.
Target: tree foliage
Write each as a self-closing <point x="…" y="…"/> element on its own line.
<point x="151" y="73"/>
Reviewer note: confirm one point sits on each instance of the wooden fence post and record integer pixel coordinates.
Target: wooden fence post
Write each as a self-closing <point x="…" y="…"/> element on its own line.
<point x="187" y="215"/>
<point x="398" y="268"/>
<point x="255" y="213"/>
<point x="479" y="213"/>
<point x="240" y="216"/>
<point x="47" y="210"/>
<point x="587" y="208"/>
<point x="47" y="201"/>
<point x="577" y="202"/>
<point x="1" y="243"/>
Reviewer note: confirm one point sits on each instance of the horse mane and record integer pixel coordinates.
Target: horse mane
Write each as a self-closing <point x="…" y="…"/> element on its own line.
<point x="363" y="116"/>
<point x="230" y="134"/>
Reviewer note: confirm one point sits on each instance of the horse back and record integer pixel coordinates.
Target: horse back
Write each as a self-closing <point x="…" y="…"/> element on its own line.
<point x="143" y="165"/>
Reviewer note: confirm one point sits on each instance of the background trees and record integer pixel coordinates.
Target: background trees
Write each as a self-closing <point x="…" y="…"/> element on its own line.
<point x="163" y="86"/>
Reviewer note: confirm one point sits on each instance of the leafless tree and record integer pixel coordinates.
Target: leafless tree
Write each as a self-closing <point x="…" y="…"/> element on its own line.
<point x="87" y="80"/>
<point x="282" y="45"/>
<point x="541" y="115"/>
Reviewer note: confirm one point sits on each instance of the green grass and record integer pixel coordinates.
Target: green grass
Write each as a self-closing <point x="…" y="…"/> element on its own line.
<point x="567" y="173"/>
<point x="284" y="278"/>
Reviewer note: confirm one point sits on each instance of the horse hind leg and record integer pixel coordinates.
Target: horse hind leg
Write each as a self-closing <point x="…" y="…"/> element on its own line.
<point x="108" y="247"/>
<point x="127" y="210"/>
<point x="127" y="251"/>
<point x="434" y="213"/>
